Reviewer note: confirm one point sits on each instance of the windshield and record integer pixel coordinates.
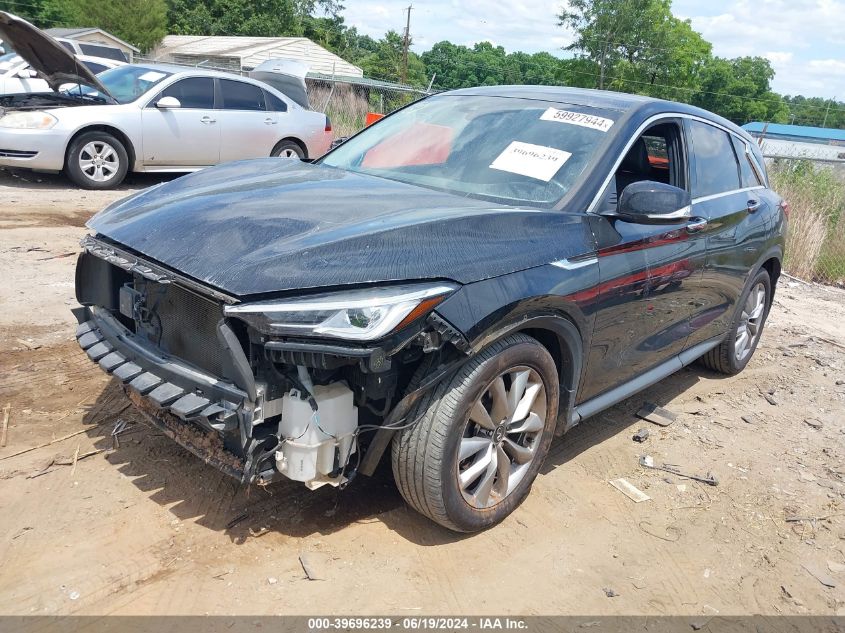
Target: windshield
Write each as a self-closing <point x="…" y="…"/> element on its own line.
<point x="127" y="83"/>
<point x="516" y="151"/>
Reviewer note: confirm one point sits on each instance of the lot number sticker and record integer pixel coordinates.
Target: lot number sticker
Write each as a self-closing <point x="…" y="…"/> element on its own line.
<point x="577" y="118"/>
<point x="534" y="161"/>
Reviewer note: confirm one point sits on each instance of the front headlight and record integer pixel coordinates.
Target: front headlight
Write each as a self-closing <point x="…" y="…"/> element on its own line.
<point x="359" y="315"/>
<point x="28" y="120"/>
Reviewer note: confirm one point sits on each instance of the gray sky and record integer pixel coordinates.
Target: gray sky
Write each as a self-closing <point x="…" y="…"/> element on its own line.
<point x="804" y="39"/>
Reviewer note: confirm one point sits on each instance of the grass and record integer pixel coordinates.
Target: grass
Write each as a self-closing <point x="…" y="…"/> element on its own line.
<point x="815" y="244"/>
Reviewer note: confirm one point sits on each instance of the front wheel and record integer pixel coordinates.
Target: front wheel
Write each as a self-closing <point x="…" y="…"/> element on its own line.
<point x="96" y="160"/>
<point x="480" y="437"/>
<point x="734" y="353"/>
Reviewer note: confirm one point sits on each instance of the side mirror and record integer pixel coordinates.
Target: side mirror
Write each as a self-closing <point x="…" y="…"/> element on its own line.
<point x="650" y="202"/>
<point x="168" y="103"/>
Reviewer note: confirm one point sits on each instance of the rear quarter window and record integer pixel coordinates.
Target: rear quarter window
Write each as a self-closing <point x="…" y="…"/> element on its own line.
<point x="716" y="170"/>
<point x="748" y="177"/>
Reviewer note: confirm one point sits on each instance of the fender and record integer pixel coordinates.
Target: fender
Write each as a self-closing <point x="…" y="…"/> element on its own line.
<point x="571" y="348"/>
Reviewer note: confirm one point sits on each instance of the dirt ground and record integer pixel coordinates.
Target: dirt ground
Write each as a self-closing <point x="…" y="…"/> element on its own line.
<point x="139" y="526"/>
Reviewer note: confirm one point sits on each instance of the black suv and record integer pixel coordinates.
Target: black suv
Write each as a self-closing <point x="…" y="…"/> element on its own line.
<point x="465" y="279"/>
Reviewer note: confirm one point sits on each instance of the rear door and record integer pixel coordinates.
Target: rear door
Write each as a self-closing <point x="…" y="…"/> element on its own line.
<point x="247" y="128"/>
<point x="186" y="136"/>
<point x="727" y="192"/>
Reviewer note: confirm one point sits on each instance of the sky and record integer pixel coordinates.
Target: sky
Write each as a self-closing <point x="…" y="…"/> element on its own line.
<point x="803" y="39"/>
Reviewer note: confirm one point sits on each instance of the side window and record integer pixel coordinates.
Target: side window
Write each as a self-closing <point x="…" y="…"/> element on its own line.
<point x="193" y="92"/>
<point x="716" y="169"/>
<point x="274" y="104"/>
<point x="95" y="67"/>
<point x="747" y="175"/>
<point x="657" y="155"/>
<point x="109" y="52"/>
<point x="68" y="46"/>
<point x="238" y="95"/>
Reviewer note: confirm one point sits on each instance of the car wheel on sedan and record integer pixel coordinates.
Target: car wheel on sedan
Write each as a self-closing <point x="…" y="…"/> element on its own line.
<point x="96" y="160"/>
<point x="734" y="353"/>
<point x="288" y="149"/>
<point x="480" y="437"/>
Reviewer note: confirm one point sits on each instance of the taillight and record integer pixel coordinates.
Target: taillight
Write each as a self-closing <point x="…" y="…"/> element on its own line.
<point x="784" y="206"/>
<point x="328" y="125"/>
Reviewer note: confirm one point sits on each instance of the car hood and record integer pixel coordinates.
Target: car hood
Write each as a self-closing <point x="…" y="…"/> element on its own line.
<point x="52" y="61"/>
<point x="270" y="225"/>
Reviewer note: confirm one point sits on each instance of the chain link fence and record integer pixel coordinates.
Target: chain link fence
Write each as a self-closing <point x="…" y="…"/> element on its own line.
<point x="814" y="187"/>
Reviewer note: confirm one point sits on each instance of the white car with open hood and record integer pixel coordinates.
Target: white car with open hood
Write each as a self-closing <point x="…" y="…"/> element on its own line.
<point x="149" y="117"/>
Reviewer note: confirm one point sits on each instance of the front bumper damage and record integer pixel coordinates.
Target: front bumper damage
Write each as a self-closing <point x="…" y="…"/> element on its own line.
<point x="191" y="407"/>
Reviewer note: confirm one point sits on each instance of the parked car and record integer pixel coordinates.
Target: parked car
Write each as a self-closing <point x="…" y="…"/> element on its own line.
<point x="463" y="280"/>
<point x="17" y="76"/>
<point x="93" y="49"/>
<point x="144" y="118"/>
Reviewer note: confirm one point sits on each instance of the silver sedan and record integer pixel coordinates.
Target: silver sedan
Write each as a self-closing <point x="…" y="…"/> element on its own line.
<point x="162" y="119"/>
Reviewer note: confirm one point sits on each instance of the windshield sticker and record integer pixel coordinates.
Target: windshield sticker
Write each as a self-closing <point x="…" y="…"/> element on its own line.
<point x="151" y="76"/>
<point x="534" y="161"/>
<point x="577" y="118"/>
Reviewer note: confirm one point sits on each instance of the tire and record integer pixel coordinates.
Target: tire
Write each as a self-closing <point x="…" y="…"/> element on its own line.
<point x="288" y="149"/>
<point x="425" y="456"/>
<point x="732" y="355"/>
<point x="96" y="160"/>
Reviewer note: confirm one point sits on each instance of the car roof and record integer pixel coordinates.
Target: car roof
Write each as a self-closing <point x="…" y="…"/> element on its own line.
<point x="605" y="99"/>
<point x="175" y="69"/>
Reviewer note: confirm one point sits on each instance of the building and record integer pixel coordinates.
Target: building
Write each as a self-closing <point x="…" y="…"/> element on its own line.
<point x="245" y="53"/>
<point x="89" y="37"/>
<point x="798" y="141"/>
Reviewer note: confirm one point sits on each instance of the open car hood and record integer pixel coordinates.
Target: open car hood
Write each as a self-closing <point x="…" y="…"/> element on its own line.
<point x="285" y="75"/>
<point x="53" y="63"/>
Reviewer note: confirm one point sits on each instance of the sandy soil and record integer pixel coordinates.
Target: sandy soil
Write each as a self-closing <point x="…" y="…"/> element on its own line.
<point x="139" y="526"/>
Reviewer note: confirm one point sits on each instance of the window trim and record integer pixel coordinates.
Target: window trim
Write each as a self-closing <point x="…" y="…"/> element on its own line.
<point x="652" y="120"/>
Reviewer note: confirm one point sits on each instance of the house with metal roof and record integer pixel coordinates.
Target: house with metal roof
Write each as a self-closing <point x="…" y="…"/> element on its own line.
<point x="798" y="141"/>
<point x="89" y="37"/>
<point x="245" y="53"/>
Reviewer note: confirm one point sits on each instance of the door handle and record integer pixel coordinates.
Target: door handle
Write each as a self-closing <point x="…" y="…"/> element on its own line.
<point x="753" y="205"/>
<point x="207" y="119"/>
<point x="269" y="121"/>
<point x="697" y="225"/>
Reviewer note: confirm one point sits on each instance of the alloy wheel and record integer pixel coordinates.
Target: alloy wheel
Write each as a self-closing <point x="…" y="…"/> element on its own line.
<point x="750" y="322"/>
<point x="501" y="436"/>
<point x="98" y="161"/>
<point x="288" y="153"/>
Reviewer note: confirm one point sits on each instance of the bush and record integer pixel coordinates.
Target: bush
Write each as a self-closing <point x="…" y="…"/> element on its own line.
<point x="815" y="243"/>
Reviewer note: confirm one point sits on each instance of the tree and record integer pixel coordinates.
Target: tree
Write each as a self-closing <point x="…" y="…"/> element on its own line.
<point x="637" y="45"/>
<point x="739" y="90"/>
<point x="268" y="18"/>
<point x="385" y="62"/>
<point x="142" y="23"/>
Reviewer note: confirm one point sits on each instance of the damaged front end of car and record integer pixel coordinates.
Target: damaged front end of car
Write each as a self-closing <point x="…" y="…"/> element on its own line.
<point x="308" y="387"/>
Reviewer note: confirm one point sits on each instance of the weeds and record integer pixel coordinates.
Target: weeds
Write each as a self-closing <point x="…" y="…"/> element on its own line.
<point x="815" y="244"/>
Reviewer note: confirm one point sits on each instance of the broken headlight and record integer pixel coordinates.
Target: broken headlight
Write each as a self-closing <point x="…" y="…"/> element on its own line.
<point x="360" y="315"/>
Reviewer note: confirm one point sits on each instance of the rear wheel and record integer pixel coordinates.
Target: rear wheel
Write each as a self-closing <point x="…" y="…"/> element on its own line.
<point x="96" y="160"/>
<point x="480" y="437"/>
<point x="734" y="353"/>
<point x="288" y="149"/>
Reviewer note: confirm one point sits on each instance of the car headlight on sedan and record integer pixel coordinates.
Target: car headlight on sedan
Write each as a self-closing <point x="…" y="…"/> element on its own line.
<point x="358" y="315"/>
<point x="33" y="120"/>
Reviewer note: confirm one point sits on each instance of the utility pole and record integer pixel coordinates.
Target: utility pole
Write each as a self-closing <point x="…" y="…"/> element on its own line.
<point x="405" y="44"/>
<point x="827" y="111"/>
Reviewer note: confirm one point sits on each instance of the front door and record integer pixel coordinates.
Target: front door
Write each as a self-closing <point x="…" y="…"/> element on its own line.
<point x="186" y="136"/>
<point x="650" y="273"/>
